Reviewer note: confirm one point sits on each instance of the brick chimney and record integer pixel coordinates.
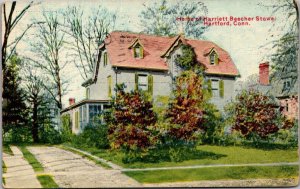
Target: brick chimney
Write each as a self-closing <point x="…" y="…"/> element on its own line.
<point x="264" y="73"/>
<point x="71" y="101"/>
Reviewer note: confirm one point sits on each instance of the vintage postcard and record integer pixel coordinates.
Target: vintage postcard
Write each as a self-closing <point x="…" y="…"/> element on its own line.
<point x="150" y="93"/>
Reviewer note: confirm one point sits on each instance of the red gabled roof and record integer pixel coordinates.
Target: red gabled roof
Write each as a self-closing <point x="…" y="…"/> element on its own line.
<point x="120" y="55"/>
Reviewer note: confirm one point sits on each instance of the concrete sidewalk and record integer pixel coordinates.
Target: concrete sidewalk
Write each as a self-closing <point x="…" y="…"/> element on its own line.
<point x="19" y="172"/>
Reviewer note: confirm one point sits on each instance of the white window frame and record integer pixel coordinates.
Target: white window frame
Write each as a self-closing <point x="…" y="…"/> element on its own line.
<point x="215" y="88"/>
<point x="143" y="86"/>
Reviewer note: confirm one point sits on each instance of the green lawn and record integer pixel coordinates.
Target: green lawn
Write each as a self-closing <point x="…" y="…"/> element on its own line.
<point x="209" y="155"/>
<point x="31" y="159"/>
<point x="4" y="168"/>
<point x="47" y="181"/>
<point x="220" y="173"/>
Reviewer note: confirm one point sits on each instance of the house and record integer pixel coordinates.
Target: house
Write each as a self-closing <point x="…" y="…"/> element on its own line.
<point x="284" y="88"/>
<point x="147" y="62"/>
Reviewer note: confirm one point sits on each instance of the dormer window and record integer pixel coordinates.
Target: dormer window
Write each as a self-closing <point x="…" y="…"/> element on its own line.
<point x="138" y="51"/>
<point x="213" y="57"/>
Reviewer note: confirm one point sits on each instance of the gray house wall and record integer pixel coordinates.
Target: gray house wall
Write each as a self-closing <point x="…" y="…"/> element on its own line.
<point x="162" y="80"/>
<point x="220" y="102"/>
<point x="99" y="90"/>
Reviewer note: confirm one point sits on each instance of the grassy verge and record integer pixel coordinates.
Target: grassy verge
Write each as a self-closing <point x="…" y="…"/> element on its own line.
<point x="7" y="150"/>
<point x="219" y="173"/>
<point x="104" y="165"/>
<point x="37" y="167"/>
<point x="47" y="181"/>
<point x="206" y="155"/>
<point x="4" y="168"/>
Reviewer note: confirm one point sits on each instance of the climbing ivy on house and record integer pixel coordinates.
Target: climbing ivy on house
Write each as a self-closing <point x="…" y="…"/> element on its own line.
<point x="187" y="60"/>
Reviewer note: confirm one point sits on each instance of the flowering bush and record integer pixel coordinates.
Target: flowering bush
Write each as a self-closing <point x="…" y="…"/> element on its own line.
<point x="255" y="115"/>
<point x="186" y="111"/>
<point x="133" y="121"/>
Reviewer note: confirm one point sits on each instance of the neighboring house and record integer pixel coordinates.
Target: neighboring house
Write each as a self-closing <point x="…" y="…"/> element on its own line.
<point x="285" y="88"/>
<point x="147" y="62"/>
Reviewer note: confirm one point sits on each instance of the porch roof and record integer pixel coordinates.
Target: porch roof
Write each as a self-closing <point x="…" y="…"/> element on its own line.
<point x="82" y="102"/>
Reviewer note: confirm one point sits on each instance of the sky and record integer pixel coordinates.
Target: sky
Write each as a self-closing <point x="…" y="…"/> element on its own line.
<point x="245" y="44"/>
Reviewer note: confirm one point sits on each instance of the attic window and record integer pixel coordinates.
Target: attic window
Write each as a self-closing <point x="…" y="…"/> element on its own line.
<point x="213" y="57"/>
<point x="138" y="51"/>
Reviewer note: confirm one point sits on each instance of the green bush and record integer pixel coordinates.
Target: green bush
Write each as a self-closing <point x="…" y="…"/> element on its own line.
<point x="66" y="128"/>
<point x="92" y="136"/>
<point x="18" y="135"/>
<point x="49" y="135"/>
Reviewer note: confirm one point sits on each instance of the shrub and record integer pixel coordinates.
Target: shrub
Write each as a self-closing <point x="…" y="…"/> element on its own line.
<point x="254" y="115"/>
<point x="48" y="134"/>
<point x="133" y="121"/>
<point x="18" y="135"/>
<point x="66" y="128"/>
<point x="92" y="136"/>
<point x="186" y="111"/>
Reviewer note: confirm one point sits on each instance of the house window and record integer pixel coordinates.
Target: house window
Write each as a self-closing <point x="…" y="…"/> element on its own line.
<point x="105" y="59"/>
<point x="215" y="87"/>
<point x="138" y="51"/>
<point x="286" y="86"/>
<point x="143" y="82"/>
<point x="213" y="58"/>
<point x="83" y="116"/>
<point x="94" y="112"/>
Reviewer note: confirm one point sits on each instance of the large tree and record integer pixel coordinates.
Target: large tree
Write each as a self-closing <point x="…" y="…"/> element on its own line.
<point x="160" y="18"/>
<point x="86" y="33"/>
<point x="285" y="58"/>
<point x="48" y="51"/>
<point x="14" y="106"/>
<point x="10" y="22"/>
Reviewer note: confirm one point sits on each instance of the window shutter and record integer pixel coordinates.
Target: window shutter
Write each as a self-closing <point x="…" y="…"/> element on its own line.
<point x="136" y="82"/>
<point x="221" y="88"/>
<point x="150" y="84"/>
<point x="141" y="52"/>
<point x="87" y="93"/>
<point x="109" y="86"/>
<point x="76" y="119"/>
<point x="209" y="87"/>
<point x="105" y="58"/>
<point x="216" y="58"/>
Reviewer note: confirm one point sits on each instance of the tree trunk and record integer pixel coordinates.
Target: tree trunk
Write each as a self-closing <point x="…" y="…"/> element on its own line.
<point x="35" y="129"/>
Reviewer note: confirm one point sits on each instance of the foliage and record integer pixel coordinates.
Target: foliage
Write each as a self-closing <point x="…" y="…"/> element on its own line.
<point x="285" y="57"/>
<point x="66" y="128"/>
<point x="188" y="59"/>
<point x="133" y="121"/>
<point x="186" y="111"/>
<point x="92" y="136"/>
<point x="159" y="18"/>
<point x="18" y="135"/>
<point x="48" y="134"/>
<point x="15" y="111"/>
<point x="254" y="115"/>
<point x="214" y="126"/>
